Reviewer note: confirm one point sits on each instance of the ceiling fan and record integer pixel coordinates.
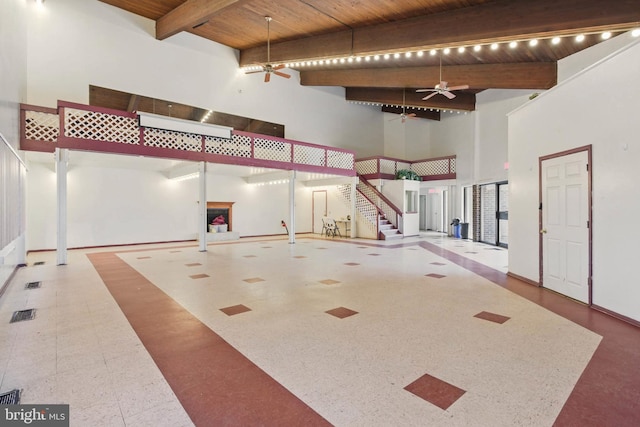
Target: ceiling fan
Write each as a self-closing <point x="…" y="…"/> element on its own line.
<point x="404" y="116"/>
<point x="442" y="88"/>
<point x="268" y="68"/>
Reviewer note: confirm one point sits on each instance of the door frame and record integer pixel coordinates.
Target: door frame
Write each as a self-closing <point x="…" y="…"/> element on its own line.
<point x="586" y="148"/>
<point x="313" y="207"/>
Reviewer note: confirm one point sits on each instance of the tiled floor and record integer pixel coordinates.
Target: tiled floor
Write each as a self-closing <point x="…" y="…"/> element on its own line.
<point x="423" y="331"/>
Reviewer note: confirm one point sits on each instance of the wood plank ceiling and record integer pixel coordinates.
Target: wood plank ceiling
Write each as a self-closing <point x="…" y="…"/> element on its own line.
<point x="335" y="42"/>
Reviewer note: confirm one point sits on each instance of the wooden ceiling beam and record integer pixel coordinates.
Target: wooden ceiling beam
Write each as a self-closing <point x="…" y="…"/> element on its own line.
<point x="464" y="101"/>
<point x="423" y="114"/>
<point x="503" y="20"/>
<point x="188" y="15"/>
<point x="525" y="75"/>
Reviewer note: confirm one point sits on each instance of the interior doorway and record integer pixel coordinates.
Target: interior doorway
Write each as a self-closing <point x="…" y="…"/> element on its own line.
<point x="319" y="209"/>
<point x="565" y="223"/>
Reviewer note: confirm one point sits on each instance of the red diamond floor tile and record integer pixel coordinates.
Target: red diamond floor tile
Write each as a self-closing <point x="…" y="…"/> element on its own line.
<point x="492" y="317"/>
<point x="435" y="275"/>
<point x="341" y="312"/>
<point x="435" y="391"/>
<point x="253" y="280"/>
<point x="199" y="276"/>
<point x="235" y="309"/>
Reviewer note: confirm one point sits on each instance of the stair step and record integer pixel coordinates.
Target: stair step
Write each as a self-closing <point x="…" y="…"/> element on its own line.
<point x="393" y="236"/>
<point x="385" y="227"/>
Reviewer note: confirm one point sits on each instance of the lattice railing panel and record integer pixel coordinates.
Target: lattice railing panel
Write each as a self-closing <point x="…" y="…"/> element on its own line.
<point x="367" y="212"/>
<point x="237" y="146"/>
<point x="100" y="126"/>
<point x="162" y="138"/>
<point x="307" y="155"/>
<point x="41" y="126"/>
<point x="402" y="165"/>
<point x="388" y="166"/>
<point x="340" y="159"/>
<point x="267" y="149"/>
<point x="366" y="167"/>
<point x="433" y="167"/>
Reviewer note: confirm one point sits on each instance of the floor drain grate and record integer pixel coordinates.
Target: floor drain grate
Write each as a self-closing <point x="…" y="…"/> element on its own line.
<point x="19" y="316"/>
<point x="39" y="263"/>
<point x="33" y="285"/>
<point x="10" y="398"/>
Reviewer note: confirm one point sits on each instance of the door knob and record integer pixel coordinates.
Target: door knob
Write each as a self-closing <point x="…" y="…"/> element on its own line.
<point x="543" y="231"/>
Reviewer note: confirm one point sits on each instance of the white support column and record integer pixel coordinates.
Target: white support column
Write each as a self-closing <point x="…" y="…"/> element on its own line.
<point x="202" y="206"/>
<point x="354" y="183"/>
<point x="292" y="207"/>
<point x="62" y="166"/>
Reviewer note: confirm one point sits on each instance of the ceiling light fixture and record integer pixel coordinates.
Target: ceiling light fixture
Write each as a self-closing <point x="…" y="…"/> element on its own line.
<point x="494" y="46"/>
<point x="533" y="42"/>
<point x="635" y="33"/>
<point x="433" y="52"/>
<point x="477" y="48"/>
<point x="446" y="51"/>
<point x="420" y="54"/>
<point x="408" y="55"/>
<point x="396" y="55"/>
<point x="461" y="49"/>
<point x="386" y="56"/>
<point x="513" y="44"/>
<point x="580" y="38"/>
<point x="555" y="40"/>
<point x="376" y="57"/>
<point x="606" y="35"/>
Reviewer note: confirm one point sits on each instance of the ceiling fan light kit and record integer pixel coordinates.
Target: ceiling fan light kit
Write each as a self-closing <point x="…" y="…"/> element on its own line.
<point x="442" y="88"/>
<point x="268" y="68"/>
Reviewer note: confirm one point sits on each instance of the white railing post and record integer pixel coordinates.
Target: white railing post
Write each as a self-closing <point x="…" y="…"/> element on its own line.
<point x="62" y="166"/>
<point x="202" y="206"/>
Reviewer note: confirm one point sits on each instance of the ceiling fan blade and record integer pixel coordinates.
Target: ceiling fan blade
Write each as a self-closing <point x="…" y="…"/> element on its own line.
<point x="254" y="72"/>
<point x="281" y="74"/>
<point x="425" y="90"/>
<point x="267" y="77"/>
<point x="279" y="67"/>
<point x="411" y="115"/>
<point x="448" y="94"/>
<point x="461" y="87"/>
<point x="430" y="96"/>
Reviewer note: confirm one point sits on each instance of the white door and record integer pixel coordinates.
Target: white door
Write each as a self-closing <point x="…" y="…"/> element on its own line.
<point x="319" y="210"/>
<point x="565" y="228"/>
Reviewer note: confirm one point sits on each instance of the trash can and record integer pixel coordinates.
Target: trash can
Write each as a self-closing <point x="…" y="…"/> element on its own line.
<point x="464" y="230"/>
<point x="456" y="231"/>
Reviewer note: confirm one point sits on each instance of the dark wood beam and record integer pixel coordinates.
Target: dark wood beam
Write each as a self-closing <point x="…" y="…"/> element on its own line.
<point x="526" y="75"/>
<point x="188" y="15"/>
<point x="502" y="20"/>
<point x="423" y="114"/>
<point x="134" y="101"/>
<point x="464" y="101"/>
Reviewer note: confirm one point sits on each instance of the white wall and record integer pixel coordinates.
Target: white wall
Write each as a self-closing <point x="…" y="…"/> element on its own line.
<point x="587" y="109"/>
<point x="78" y="43"/>
<point x="12" y="91"/>
<point x="108" y="205"/>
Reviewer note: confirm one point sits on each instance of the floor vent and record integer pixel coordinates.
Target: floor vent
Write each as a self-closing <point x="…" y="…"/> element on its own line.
<point x="10" y="398"/>
<point x="39" y="263"/>
<point x="33" y="285"/>
<point x="19" y="316"/>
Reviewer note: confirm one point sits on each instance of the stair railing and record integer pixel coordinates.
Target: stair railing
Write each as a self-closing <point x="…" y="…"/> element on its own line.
<point x="384" y="205"/>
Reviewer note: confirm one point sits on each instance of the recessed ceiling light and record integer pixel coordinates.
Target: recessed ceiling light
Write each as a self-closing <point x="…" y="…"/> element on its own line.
<point x="367" y="58"/>
<point x="420" y="53"/>
<point x="358" y="59"/>
<point x="580" y="38"/>
<point x="606" y="35"/>
<point x="335" y="60"/>
<point x="494" y="46"/>
<point x="407" y="55"/>
<point x="533" y="42"/>
<point x="433" y="52"/>
<point x="396" y="55"/>
<point x="376" y="57"/>
<point x="387" y="56"/>
<point x="350" y="59"/>
<point x="477" y="48"/>
<point x="446" y="51"/>
<point x="513" y="44"/>
<point x="555" y="40"/>
<point x="342" y="60"/>
<point x="635" y="33"/>
<point x="461" y="49"/>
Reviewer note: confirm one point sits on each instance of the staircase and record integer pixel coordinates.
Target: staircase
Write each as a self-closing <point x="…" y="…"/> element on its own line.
<point x="372" y="209"/>
<point x="386" y="230"/>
